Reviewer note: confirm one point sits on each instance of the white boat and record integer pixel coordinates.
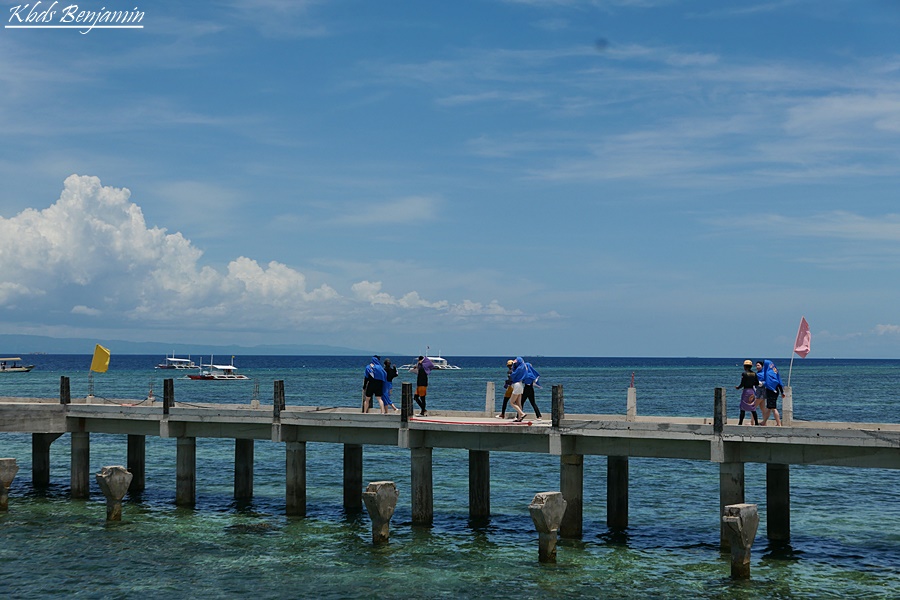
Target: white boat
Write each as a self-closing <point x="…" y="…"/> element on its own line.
<point x="177" y="363"/>
<point x="440" y="364"/>
<point x="15" y="367"/>
<point x="213" y="372"/>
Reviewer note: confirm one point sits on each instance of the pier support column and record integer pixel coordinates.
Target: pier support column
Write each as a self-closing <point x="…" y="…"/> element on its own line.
<point x="731" y="491"/>
<point x="422" y="486"/>
<point x="8" y="470"/>
<point x="617" y="492"/>
<point x="186" y="471"/>
<point x="40" y="458"/>
<point x="80" y="462"/>
<point x="741" y="522"/>
<point x="547" y="510"/>
<point x="243" y="469"/>
<point x="778" y="502"/>
<point x="353" y="477"/>
<point x="114" y="482"/>
<point x="571" y="483"/>
<point x="295" y="479"/>
<point x="381" y="499"/>
<point x="479" y="484"/>
<point x="137" y="452"/>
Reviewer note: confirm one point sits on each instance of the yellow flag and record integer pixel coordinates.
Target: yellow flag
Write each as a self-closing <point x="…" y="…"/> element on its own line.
<point x="101" y="359"/>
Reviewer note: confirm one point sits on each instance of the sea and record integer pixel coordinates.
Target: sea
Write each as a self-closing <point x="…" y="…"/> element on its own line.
<point x="845" y="522"/>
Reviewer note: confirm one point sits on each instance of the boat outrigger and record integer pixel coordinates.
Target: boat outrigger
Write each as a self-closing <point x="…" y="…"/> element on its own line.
<point x="15" y="367"/>
<point x="177" y="363"/>
<point x="214" y="372"/>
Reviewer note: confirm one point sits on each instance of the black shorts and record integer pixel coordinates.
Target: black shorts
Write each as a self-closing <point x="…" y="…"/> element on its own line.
<point x="771" y="399"/>
<point x="374" y="388"/>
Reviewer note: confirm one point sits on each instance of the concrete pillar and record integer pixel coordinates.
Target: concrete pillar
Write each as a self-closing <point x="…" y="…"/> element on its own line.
<point x="778" y="502"/>
<point x="243" y="469"/>
<point x="186" y="471"/>
<point x="114" y="482"/>
<point x="731" y="492"/>
<point x="741" y="522"/>
<point x="40" y="458"/>
<point x="479" y="484"/>
<point x="617" y="492"/>
<point x="490" y="400"/>
<point x="8" y="470"/>
<point x="631" y="405"/>
<point x="571" y="483"/>
<point x="547" y="510"/>
<point x="381" y="499"/>
<point x="422" y="486"/>
<point x="295" y="479"/>
<point x="557" y="405"/>
<point x="80" y="464"/>
<point x="137" y="453"/>
<point x="353" y="476"/>
<point x="787" y="407"/>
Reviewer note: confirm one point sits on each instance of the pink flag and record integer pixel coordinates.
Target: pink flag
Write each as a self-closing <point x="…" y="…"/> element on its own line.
<point x="801" y="346"/>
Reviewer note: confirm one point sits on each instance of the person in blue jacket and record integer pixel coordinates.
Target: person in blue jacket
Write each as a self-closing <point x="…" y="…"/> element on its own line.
<point x="373" y="384"/>
<point x="517" y="378"/>
<point x="529" y="381"/>
<point x="774" y="388"/>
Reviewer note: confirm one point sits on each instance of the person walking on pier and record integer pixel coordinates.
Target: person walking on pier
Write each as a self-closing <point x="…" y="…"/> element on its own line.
<point x="748" y="383"/>
<point x="508" y="390"/>
<point x="373" y="384"/>
<point x="390" y="372"/>
<point x="774" y="388"/>
<point x="423" y="367"/>
<point x="516" y="377"/>
<point x="529" y="381"/>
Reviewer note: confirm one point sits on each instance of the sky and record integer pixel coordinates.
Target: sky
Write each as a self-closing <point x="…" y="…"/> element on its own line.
<point x="477" y="177"/>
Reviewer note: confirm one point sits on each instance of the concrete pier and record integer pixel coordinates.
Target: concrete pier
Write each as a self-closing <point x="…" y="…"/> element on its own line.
<point x="186" y="471"/>
<point x="741" y="522"/>
<point x="547" y="510"/>
<point x="778" y="502"/>
<point x="617" y="492"/>
<point x="422" y="486"/>
<point x="295" y="479"/>
<point x="571" y="483"/>
<point x="8" y="470"/>
<point x="243" y="469"/>
<point x="381" y="499"/>
<point x="479" y="485"/>
<point x="80" y="465"/>
<point x="114" y="482"/>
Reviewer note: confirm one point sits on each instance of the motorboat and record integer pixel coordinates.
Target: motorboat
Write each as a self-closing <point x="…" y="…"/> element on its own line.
<point x="177" y="363"/>
<point x="11" y="365"/>
<point x="214" y="372"/>
<point x="438" y="364"/>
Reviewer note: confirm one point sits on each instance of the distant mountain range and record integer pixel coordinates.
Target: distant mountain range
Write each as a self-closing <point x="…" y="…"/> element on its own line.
<point x="17" y="345"/>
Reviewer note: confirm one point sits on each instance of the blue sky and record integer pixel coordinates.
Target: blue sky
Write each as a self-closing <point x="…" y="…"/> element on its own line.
<point x="486" y="177"/>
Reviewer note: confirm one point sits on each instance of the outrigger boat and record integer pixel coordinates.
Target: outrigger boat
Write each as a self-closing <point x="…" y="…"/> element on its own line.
<point x="218" y="372"/>
<point x="177" y="363"/>
<point x="438" y="364"/>
<point x="15" y="367"/>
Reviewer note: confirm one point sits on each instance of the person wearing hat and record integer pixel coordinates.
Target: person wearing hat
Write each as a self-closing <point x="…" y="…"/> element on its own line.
<point x="390" y="372"/>
<point x="748" y="384"/>
<point x="508" y="387"/>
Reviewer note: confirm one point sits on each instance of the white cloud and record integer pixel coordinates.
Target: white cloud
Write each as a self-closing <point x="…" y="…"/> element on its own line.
<point x="93" y="251"/>
<point x="887" y="329"/>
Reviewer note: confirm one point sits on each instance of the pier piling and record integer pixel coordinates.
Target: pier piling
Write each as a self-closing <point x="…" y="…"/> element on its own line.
<point x="353" y="476"/>
<point x="295" y="479"/>
<point x="479" y="485"/>
<point x="40" y="458"/>
<point x="114" y="482"/>
<point x="381" y="499"/>
<point x="243" y="469"/>
<point x="185" y="471"/>
<point x="80" y="464"/>
<point x="571" y="481"/>
<point x="617" y="492"/>
<point x="547" y="510"/>
<point x="8" y="470"/>
<point x="741" y="522"/>
<point x="778" y="502"/>
<point x="137" y="452"/>
<point x="422" y="486"/>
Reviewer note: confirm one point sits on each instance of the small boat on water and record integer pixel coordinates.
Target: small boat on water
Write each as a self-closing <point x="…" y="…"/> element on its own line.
<point x="213" y="372"/>
<point x="11" y="365"/>
<point x="438" y="364"/>
<point x="177" y="363"/>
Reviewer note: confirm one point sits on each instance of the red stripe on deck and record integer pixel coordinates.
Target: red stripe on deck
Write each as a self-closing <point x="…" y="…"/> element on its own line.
<point x="507" y="422"/>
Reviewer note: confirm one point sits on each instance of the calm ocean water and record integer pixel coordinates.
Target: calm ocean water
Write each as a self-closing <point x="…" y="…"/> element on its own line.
<point x="845" y="522"/>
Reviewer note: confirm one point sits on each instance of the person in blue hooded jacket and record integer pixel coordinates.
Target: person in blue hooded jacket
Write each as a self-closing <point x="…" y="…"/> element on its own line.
<point x="373" y="384"/>
<point x="774" y="388"/>
<point x="517" y="378"/>
<point x="529" y="381"/>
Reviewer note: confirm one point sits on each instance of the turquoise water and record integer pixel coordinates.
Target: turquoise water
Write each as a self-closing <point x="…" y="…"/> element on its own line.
<point x="845" y="522"/>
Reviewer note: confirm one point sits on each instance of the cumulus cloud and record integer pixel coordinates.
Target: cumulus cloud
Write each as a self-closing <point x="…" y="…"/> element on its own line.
<point x="92" y="256"/>
<point x="887" y="329"/>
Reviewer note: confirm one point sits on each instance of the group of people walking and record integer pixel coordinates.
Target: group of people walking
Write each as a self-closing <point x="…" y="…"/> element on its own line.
<point x="761" y="389"/>
<point x="521" y="377"/>
<point x="378" y="383"/>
